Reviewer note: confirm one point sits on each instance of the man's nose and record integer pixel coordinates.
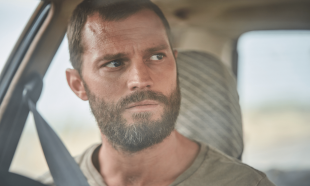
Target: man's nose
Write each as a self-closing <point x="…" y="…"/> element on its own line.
<point x="139" y="77"/>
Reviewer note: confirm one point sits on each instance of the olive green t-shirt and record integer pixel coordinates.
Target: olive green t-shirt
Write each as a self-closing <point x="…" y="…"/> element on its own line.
<point x="210" y="167"/>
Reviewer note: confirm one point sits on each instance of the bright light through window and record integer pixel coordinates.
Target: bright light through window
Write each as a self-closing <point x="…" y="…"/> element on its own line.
<point x="14" y="15"/>
<point x="274" y="87"/>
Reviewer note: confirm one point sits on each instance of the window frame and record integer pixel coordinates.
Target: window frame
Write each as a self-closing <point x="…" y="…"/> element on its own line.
<point x="31" y="55"/>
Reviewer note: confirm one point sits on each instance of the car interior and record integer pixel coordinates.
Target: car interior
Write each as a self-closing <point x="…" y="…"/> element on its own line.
<point x="205" y="32"/>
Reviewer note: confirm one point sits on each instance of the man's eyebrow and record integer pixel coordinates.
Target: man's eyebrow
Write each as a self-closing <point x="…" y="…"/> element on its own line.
<point x="157" y="48"/>
<point x="109" y="57"/>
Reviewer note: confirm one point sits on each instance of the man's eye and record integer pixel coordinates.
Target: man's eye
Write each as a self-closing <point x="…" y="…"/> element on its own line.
<point x="157" y="57"/>
<point x="113" y="64"/>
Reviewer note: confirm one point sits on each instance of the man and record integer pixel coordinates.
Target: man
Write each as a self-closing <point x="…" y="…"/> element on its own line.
<point x="125" y="66"/>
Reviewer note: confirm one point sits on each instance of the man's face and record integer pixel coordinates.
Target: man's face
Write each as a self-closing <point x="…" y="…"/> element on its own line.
<point x="130" y="77"/>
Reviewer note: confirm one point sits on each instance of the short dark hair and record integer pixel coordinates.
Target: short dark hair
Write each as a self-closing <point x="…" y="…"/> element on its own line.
<point x="109" y="10"/>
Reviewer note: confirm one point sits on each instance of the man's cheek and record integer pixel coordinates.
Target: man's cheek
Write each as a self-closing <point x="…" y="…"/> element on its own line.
<point x="108" y="91"/>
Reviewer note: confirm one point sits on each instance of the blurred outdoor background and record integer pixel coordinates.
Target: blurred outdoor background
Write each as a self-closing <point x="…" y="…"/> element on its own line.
<point x="273" y="84"/>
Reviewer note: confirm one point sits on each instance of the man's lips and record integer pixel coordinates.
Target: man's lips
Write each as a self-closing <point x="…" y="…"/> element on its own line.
<point x="141" y="104"/>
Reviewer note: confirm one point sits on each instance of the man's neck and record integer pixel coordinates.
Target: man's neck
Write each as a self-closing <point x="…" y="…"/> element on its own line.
<point x="160" y="164"/>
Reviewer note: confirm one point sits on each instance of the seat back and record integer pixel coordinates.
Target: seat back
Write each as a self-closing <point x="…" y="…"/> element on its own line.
<point x="210" y="110"/>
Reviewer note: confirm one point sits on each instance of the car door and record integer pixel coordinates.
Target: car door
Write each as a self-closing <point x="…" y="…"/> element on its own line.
<point x="30" y="57"/>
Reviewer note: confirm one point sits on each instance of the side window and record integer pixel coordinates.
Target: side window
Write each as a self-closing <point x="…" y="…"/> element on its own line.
<point x="14" y="15"/>
<point x="274" y="87"/>
<point x="69" y="116"/>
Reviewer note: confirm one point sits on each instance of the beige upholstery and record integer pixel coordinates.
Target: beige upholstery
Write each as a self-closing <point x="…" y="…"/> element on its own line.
<point x="210" y="111"/>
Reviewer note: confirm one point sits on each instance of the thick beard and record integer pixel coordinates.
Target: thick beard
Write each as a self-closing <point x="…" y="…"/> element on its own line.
<point x="144" y="132"/>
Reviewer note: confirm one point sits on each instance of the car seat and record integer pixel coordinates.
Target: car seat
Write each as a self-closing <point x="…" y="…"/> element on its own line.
<point x="210" y="111"/>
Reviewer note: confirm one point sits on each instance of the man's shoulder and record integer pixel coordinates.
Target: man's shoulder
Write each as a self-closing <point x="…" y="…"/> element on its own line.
<point x="211" y="167"/>
<point x="220" y="169"/>
<point x="80" y="159"/>
<point x="217" y="158"/>
<point x="227" y="164"/>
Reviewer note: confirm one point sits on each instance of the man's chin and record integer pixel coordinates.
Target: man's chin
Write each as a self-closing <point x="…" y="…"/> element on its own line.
<point x="140" y="146"/>
<point x="139" y="135"/>
<point x="131" y="130"/>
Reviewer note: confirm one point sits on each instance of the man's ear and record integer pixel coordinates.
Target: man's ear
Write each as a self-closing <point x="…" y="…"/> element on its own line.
<point x="76" y="84"/>
<point x="175" y="53"/>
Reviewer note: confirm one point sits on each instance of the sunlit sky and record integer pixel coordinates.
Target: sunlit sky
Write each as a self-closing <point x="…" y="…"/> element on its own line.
<point x="273" y="67"/>
<point x="14" y="15"/>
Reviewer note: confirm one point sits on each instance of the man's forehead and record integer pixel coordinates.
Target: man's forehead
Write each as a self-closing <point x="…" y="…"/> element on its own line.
<point x="144" y="18"/>
<point x="142" y="26"/>
<point x="140" y="32"/>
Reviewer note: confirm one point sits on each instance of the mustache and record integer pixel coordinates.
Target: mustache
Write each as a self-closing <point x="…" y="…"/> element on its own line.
<point x="141" y="96"/>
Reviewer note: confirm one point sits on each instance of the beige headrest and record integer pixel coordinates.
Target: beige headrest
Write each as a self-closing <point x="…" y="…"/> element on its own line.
<point x="210" y="110"/>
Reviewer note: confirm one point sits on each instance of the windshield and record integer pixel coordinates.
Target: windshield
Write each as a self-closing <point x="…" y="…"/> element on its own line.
<point x="14" y="15"/>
